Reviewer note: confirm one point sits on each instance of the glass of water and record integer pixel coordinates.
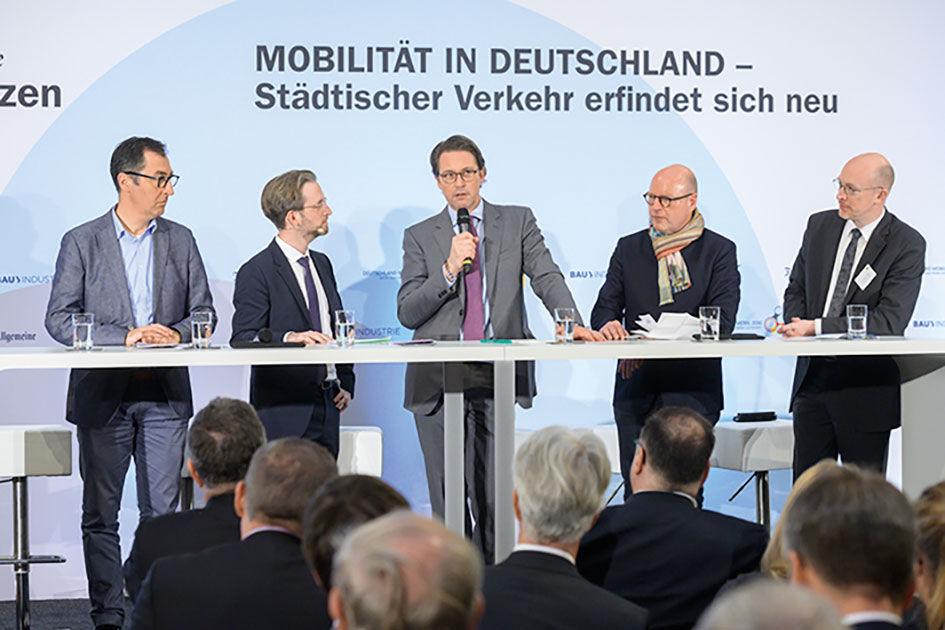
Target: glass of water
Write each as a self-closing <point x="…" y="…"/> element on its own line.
<point x="201" y="327"/>
<point x="82" y="324"/>
<point x="709" y="322"/>
<point x="564" y="325"/>
<point x="344" y="328"/>
<point x="856" y="321"/>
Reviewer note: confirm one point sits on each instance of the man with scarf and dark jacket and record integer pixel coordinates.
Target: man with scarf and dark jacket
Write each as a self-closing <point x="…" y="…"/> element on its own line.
<point x="674" y="266"/>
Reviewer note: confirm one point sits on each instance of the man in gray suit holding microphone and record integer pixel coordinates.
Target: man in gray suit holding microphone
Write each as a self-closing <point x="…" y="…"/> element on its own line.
<point x="438" y="300"/>
<point x="141" y="277"/>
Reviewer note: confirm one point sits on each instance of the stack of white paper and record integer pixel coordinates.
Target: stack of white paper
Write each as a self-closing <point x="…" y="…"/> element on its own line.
<point x="670" y="326"/>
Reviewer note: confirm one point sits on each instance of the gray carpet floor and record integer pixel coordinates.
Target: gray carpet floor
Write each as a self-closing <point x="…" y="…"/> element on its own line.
<point x="54" y="614"/>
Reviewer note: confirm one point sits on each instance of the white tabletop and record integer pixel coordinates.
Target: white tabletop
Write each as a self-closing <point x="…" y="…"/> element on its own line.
<point x="451" y="351"/>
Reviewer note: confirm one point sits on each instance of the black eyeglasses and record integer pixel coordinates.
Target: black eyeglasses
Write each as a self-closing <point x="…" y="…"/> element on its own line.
<point x="849" y="189"/>
<point x="663" y="199"/>
<point x="162" y="180"/>
<point x="448" y="177"/>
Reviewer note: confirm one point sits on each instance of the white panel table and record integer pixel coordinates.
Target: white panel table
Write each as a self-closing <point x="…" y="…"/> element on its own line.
<point x="921" y="361"/>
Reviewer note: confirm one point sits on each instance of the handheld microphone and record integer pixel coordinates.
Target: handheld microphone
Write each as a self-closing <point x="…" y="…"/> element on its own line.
<point x="462" y="219"/>
<point x="264" y="336"/>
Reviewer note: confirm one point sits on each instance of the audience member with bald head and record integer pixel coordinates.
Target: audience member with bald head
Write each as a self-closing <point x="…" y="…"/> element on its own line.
<point x="659" y="549"/>
<point x="220" y="443"/>
<point x="859" y="253"/>
<point x="675" y="265"/>
<point x="560" y="479"/>
<point x="261" y="581"/>
<point x="851" y="537"/>
<point x="404" y="571"/>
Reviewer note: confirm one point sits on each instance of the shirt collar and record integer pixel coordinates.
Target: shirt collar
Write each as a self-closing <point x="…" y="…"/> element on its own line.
<point x="871" y="615"/>
<point x="866" y="231"/>
<point x="290" y="252"/>
<point x="688" y="497"/>
<point x="474" y="213"/>
<point x="554" y="551"/>
<point x="121" y="231"/>
<point x="269" y="528"/>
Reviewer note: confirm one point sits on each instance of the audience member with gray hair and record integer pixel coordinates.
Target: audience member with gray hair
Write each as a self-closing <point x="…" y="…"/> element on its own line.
<point x="660" y="549"/>
<point x="339" y="506"/>
<point x="261" y="581"/>
<point x="405" y="571"/>
<point x="220" y="443"/>
<point x="770" y="605"/>
<point x="851" y="537"/>
<point x="560" y="479"/>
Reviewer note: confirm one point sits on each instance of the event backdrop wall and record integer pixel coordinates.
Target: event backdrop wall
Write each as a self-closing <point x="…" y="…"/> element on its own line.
<point x="575" y="106"/>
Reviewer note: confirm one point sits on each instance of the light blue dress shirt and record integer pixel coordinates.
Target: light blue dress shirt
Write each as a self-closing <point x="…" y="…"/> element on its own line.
<point x="137" y="254"/>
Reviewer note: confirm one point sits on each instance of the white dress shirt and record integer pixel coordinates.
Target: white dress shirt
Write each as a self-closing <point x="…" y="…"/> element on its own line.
<point x="865" y="232"/>
<point x="293" y="255"/>
<point x="544" y="549"/>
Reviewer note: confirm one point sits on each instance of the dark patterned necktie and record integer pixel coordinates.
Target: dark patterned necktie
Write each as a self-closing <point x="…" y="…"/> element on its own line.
<point x="843" y="279"/>
<point x="474" y="321"/>
<point x="312" y="293"/>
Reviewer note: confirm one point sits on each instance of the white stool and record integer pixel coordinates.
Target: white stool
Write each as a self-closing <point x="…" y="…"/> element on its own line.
<point x="607" y="432"/>
<point x="30" y="451"/>
<point x="361" y="451"/>
<point x="755" y="447"/>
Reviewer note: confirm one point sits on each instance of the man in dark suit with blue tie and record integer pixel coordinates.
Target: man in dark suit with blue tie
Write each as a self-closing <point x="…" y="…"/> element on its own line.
<point x="142" y="277"/>
<point x="858" y="254"/>
<point x="290" y="291"/>
<point x="674" y="266"/>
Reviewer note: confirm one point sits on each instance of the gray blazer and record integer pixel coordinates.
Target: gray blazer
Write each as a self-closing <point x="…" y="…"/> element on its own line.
<point x="90" y="277"/>
<point x="434" y="310"/>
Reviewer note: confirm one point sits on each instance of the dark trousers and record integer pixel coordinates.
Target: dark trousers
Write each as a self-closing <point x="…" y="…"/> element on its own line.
<point x="154" y="436"/>
<point x="629" y="425"/>
<point x="819" y="433"/>
<point x="323" y="425"/>
<point x="479" y="417"/>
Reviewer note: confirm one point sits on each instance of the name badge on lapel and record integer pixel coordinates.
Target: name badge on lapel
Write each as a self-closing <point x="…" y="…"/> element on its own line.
<point x="864" y="278"/>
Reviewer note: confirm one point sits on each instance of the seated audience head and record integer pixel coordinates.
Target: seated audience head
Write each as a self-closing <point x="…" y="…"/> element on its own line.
<point x="402" y="571"/>
<point x="283" y="477"/>
<point x="775" y="562"/>
<point x="930" y="567"/>
<point x="560" y="479"/>
<point x="339" y="506"/>
<point x="770" y="605"/>
<point x="221" y="441"/>
<point x="851" y="536"/>
<point x="673" y="452"/>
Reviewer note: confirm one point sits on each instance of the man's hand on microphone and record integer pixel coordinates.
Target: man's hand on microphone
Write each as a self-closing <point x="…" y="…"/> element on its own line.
<point x="462" y="247"/>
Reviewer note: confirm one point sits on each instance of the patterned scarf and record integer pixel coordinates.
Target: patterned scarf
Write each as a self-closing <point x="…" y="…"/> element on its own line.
<point x="672" y="273"/>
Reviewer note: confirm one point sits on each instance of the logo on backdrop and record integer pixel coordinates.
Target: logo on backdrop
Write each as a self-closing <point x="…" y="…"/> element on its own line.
<point x="381" y="274"/>
<point x="587" y="274"/>
<point x="27" y="279"/>
<point x="7" y="337"/>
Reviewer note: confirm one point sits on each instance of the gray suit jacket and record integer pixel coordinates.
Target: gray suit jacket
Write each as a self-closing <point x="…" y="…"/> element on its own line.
<point x="427" y="304"/>
<point x="90" y="278"/>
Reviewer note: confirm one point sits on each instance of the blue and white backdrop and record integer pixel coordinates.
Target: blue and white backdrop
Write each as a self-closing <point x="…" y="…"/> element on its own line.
<point x="764" y="102"/>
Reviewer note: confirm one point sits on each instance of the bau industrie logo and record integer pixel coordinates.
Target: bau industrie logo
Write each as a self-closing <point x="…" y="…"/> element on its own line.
<point x="25" y="278"/>
<point x="587" y="274"/>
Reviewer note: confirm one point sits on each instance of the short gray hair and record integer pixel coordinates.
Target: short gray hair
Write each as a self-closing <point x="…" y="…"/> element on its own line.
<point x="283" y="477"/>
<point x="404" y="570"/>
<point x="560" y="476"/>
<point x="767" y="604"/>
